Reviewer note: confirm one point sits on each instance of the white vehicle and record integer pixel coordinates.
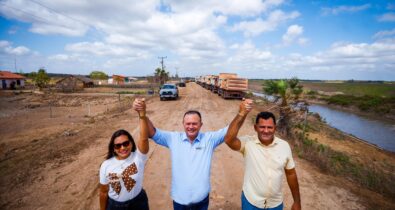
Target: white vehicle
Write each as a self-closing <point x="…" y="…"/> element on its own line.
<point x="168" y="91"/>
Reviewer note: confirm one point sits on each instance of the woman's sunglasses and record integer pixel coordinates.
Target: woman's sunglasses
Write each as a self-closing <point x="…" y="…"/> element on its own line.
<point x="124" y="144"/>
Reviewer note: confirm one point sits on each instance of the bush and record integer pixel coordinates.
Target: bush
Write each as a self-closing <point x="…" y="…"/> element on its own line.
<point x="312" y="92"/>
<point x="342" y="100"/>
<point x="340" y="164"/>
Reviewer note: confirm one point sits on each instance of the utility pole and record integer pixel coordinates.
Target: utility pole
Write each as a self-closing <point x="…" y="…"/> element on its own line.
<point x="177" y="72"/>
<point x="162" y="61"/>
<point x="15" y="64"/>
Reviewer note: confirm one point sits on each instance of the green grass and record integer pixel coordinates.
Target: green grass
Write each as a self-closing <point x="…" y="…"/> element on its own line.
<point x="340" y="164"/>
<point x="355" y="89"/>
<point x="132" y="92"/>
<point x="364" y="103"/>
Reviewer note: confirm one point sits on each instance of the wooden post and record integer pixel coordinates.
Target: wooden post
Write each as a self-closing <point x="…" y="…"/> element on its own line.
<point x="305" y="124"/>
<point x="89" y="108"/>
<point x="119" y="100"/>
<point x="50" y="110"/>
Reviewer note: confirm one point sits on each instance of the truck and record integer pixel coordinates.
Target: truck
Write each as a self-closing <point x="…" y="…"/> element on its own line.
<point x="168" y="91"/>
<point x="206" y="81"/>
<point x="214" y="83"/>
<point x="231" y="86"/>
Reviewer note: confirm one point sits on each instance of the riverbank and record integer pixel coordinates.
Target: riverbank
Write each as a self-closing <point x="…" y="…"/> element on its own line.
<point x="374" y="101"/>
<point x="387" y="118"/>
<point x="342" y="155"/>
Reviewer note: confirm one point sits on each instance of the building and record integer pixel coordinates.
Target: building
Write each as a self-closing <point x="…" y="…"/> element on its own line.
<point x="117" y="80"/>
<point x="74" y="83"/>
<point x="121" y="80"/>
<point x="10" y="80"/>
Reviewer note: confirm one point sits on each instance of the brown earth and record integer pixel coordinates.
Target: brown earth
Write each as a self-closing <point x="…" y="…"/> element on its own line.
<point x="52" y="162"/>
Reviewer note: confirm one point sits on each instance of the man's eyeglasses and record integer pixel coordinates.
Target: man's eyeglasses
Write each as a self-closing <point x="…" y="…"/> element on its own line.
<point x="124" y="144"/>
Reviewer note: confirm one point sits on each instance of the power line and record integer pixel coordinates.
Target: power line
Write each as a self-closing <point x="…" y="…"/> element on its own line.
<point x="57" y="12"/>
<point x="33" y="15"/>
<point x="43" y="19"/>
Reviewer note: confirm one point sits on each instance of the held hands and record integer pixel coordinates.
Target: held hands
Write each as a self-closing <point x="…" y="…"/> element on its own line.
<point x="139" y="106"/>
<point x="245" y="107"/>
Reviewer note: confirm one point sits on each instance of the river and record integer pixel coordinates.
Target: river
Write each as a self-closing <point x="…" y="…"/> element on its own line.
<point x="376" y="132"/>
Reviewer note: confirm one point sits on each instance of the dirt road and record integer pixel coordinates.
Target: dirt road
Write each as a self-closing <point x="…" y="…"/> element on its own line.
<point x="52" y="163"/>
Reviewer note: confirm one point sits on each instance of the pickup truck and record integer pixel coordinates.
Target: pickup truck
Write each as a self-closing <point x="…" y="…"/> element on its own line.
<point x="168" y="91"/>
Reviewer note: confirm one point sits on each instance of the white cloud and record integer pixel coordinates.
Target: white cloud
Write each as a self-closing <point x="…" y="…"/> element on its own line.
<point x="388" y="17"/>
<point x="293" y="34"/>
<point x="340" y="61"/>
<point x="344" y="9"/>
<point x="43" y="19"/>
<point x="6" y="47"/>
<point x="347" y="57"/>
<point x="102" y="49"/>
<point x="247" y="57"/>
<point x="226" y="7"/>
<point x="382" y="34"/>
<point x="63" y="57"/>
<point x="258" y="26"/>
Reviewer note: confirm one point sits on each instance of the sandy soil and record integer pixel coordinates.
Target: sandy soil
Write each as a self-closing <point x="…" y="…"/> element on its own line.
<point x="52" y="162"/>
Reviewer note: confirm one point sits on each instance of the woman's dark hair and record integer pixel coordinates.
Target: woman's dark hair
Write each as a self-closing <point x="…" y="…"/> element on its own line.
<point x="116" y="134"/>
<point x="265" y="116"/>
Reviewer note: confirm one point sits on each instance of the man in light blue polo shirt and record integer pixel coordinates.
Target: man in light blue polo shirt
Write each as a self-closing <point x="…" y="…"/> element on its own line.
<point x="191" y="155"/>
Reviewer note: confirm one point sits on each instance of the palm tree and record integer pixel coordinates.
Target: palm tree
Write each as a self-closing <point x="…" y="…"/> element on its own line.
<point x="277" y="88"/>
<point x="161" y="75"/>
<point x="296" y="88"/>
<point x="287" y="90"/>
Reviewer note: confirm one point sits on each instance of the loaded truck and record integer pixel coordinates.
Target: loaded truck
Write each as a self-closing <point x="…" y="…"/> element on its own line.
<point x="231" y="86"/>
<point x="206" y="82"/>
<point x="214" y="84"/>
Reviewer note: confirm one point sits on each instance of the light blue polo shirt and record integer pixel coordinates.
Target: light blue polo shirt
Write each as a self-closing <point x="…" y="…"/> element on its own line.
<point x="190" y="163"/>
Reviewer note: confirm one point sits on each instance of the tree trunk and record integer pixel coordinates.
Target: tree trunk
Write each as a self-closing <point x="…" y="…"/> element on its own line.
<point x="284" y="121"/>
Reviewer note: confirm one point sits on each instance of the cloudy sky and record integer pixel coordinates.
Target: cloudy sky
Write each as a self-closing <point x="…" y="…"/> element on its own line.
<point x="319" y="39"/>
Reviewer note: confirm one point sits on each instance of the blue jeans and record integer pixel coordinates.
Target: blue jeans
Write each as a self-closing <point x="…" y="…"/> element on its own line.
<point x="245" y="205"/>
<point x="140" y="202"/>
<point x="202" y="205"/>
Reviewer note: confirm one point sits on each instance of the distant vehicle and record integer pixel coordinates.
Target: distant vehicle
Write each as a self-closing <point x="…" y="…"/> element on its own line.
<point x="168" y="91"/>
<point x="181" y="84"/>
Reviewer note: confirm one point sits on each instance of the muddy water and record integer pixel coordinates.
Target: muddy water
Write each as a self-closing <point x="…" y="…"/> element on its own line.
<point x="376" y="132"/>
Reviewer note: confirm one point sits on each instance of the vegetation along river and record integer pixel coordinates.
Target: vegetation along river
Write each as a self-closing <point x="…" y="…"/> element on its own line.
<point x="376" y="132"/>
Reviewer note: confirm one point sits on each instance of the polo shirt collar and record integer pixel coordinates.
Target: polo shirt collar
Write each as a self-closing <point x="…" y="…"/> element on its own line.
<point x="274" y="142"/>
<point x="197" y="139"/>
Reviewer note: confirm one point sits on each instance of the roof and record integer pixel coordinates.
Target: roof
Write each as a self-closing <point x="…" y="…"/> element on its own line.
<point x="82" y="78"/>
<point x="9" y="75"/>
<point x="114" y="75"/>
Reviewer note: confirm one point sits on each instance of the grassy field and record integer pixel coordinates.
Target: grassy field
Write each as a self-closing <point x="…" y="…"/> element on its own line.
<point x="355" y="89"/>
<point x="366" y="96"/>
<point x="347" y="88"/>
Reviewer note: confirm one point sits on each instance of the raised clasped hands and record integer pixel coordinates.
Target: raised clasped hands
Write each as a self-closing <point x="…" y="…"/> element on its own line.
<point x="246" y="106"/>
<point x="139" y="106"/>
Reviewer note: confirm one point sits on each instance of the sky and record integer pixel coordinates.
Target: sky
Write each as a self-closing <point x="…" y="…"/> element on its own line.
<point x="263" y="39"/>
